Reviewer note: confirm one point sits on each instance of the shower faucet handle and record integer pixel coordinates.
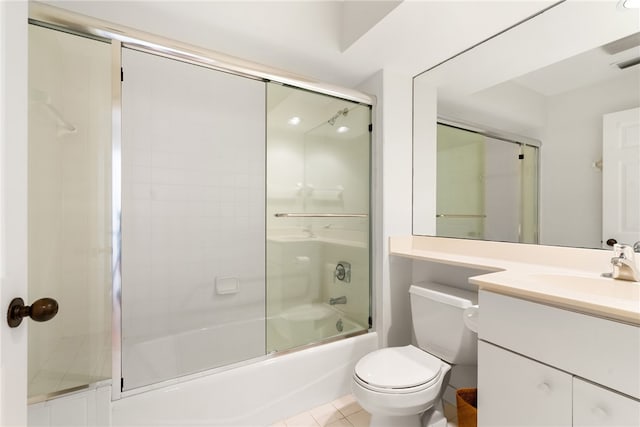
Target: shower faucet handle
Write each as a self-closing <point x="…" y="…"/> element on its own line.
<point x="41" y="310"/>
<point x="343" y="272"/>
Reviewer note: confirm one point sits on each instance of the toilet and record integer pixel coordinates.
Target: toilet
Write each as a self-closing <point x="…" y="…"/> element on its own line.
<point x="403" y="386"/>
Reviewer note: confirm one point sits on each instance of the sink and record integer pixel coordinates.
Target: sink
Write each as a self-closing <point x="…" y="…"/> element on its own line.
<point x="577" y="280"/>
<point x="590" y="285"/>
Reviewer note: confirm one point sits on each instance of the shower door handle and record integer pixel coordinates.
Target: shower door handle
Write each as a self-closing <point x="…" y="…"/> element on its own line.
<point x="41" y="310"/>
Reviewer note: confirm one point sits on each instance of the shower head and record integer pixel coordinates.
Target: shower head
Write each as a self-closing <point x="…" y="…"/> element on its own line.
<point x="38" y="96"/>
<point x="343" y="112"/>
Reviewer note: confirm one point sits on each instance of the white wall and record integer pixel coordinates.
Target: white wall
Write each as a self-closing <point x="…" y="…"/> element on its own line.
<point x="424" y="162"/>
<point x="572" y="141"/>
<point x="392" y="196"/>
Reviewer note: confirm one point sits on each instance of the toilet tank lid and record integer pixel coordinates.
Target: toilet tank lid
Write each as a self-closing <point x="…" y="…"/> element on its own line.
<point x="445" y="294"/>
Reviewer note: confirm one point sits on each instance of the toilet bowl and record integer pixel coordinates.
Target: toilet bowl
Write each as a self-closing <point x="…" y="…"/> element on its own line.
<point x="408" y="385"/>
<point x="403" y="386"/>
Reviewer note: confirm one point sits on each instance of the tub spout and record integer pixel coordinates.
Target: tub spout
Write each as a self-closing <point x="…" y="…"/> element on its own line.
<point x="338" y="300"/>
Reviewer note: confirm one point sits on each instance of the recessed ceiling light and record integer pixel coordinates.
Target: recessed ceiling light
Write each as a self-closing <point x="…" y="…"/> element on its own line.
<point x="342" y="129"/>
<point x="294" y="121"/>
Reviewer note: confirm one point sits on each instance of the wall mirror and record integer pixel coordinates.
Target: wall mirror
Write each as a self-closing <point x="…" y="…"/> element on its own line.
<point x="534" y="135"/>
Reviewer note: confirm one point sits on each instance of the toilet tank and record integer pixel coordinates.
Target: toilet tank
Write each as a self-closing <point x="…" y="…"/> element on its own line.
<point x="436" y="312"/>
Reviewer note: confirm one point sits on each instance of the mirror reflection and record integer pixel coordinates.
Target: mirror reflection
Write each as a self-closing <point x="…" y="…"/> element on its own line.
<point x="580" y="187"/>
<point x="486" y="186"/>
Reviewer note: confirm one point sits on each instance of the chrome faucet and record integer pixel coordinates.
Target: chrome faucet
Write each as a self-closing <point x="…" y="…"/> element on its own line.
<point x="624" y="263"/>
<point x="338" y="300"/>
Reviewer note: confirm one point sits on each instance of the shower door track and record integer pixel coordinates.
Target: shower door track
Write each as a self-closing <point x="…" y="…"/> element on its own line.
<point x="54" y="17"/>
<point x="320" y="215"/>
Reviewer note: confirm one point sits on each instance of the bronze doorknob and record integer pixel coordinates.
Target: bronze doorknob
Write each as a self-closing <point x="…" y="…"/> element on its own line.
<point x="41" y="310"/>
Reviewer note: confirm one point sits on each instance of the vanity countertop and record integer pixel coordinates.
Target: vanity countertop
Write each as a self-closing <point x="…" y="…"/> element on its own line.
<point x="565" y="277"/>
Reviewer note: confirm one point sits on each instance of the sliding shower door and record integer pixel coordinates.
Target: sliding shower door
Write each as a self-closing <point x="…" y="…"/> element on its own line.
<point x="69" y="210"/>
<point x="318" y="186"/>
<point x="193" y="239"/>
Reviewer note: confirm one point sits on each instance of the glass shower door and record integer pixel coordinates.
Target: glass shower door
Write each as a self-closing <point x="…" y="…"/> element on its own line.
<point x="69" y="210"/>
<point x="192" y="219"/>
<point x="318" y="186"/>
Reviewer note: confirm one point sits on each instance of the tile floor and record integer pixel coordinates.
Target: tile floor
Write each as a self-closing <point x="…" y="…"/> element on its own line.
<point x="344" y="412"/>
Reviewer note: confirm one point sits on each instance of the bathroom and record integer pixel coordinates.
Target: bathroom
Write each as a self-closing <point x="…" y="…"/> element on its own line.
<point x="397" y="202"/>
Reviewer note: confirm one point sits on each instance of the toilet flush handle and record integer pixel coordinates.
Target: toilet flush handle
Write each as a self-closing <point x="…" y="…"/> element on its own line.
<point x="471" y="317"/>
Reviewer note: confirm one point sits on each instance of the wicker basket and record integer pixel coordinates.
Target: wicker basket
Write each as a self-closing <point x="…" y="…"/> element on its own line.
<point x="467" y="403"/>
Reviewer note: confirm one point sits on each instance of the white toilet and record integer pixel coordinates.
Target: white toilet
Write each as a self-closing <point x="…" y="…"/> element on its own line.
<point x="403" y="386"/>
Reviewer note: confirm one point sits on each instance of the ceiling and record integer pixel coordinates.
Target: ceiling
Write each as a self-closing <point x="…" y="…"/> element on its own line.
<point x="588" y="68"/>
<point x="338" y="42"/>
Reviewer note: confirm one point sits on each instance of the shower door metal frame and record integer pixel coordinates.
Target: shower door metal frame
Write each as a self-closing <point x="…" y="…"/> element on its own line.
<point x="121" y="36"/>
<point x="163" y="46"/>
<point x="116" y="212"/>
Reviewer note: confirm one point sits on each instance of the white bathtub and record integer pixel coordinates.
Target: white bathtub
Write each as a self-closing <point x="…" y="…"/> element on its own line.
<point x="155" y="359"/>
<point x="307" y="323"/>
<point x="252" y="395"/>
<point x="150" y="360"/>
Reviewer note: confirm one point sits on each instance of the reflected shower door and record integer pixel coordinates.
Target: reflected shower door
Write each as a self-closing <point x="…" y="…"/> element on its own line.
<point x="460" y="195"/>
<point x="487" y="188"/>
<point x="69" y="210"/>
<point x="192" y="219"/>
<point x="318" y="186"/>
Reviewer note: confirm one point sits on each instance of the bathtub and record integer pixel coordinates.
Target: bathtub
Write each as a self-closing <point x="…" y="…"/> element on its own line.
<point x="307" y="323"/>
<point x="149" y="360"/>
<point x="256" y="394"/>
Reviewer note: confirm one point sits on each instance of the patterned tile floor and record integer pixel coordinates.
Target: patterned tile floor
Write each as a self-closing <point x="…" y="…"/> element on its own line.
<point x="344" y="412"/>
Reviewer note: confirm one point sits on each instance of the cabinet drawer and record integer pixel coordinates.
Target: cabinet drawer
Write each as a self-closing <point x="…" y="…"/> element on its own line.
<point x="516" y="391"/>
<point x="598" y="407"/>
<point x="604" y="351"/>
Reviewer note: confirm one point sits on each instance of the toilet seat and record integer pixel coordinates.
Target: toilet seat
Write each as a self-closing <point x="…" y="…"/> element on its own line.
<point x="398" y="370"/>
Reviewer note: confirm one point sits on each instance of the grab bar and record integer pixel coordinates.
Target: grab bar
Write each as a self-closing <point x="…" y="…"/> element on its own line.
<point x="319" y="215"/>
<point x="460" y="216"/>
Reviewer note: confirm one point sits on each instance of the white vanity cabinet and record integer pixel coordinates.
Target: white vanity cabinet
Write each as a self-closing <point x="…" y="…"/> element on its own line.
<point x="546" y="366"/>
<point x="595" y="406"/>
<point x="516" y="391"/>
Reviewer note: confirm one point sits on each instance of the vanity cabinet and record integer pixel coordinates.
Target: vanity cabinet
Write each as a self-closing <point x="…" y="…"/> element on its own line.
<point x="516" y="391"/>
<point x="546" y="366"/>
<point x="595" y="406"/>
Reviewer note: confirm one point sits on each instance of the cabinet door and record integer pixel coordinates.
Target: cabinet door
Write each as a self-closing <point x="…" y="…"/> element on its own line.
<point x="515" y="391"/>
<point x="597" y="406"/>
